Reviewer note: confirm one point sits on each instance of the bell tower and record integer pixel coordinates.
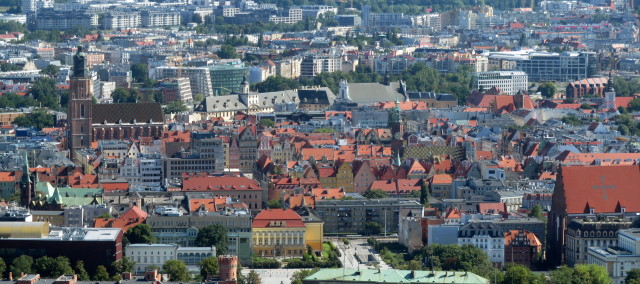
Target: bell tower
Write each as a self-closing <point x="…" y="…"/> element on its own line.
<point x="79" y="106"/>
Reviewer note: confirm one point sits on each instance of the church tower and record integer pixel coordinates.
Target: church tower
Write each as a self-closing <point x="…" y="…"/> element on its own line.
<point x="79" y="106"/>
<point x="397" y="129"/>
<point x="609" y="95"/>
<point x="26" y="184"/>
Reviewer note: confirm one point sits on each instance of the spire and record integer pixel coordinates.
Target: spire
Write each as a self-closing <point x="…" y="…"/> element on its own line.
<point x="609" y="87"/>
<point x="26" y="179"/>
<point x="398" y="161"/>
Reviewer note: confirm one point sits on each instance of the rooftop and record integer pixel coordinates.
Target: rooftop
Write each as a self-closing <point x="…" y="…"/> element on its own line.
<point x="394" y="276"/>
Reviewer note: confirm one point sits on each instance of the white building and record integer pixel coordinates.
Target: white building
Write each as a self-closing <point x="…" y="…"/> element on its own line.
<point x="410" y="229"/>
<point x="315" y="64"/>
<point x="620" y="259"/>
<point x="484" y="235"/>
<point x="32" y="6"/>
<point x="160" y="18"/>
<point x="121" y="20"/>
<point x="145" y="255"/>
<point x="295" y="15"/>
<point x="509" y="82"/>
<point x="199" y="78"/>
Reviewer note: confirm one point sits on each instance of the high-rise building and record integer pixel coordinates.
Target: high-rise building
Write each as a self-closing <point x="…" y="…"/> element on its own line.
<point x="79" y="106"/>
<point x="313" y="65"/>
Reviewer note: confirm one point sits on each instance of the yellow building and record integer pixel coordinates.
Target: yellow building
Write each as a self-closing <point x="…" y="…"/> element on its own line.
<point x="24" y="229"/>
<point x="55" y="218"/>
<point x="314" y="227"/>
<point x="344" y="177"/>
<point x="7" y="118"/>
<point x="278" y="232"/>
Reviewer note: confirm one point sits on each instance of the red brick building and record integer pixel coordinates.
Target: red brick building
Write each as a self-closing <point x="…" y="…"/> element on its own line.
<point x="589" y="86"/>
<point x="521" y="247"/>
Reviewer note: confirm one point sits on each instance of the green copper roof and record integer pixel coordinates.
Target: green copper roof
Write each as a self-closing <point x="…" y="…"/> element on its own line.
<point x="69" y="196"/>
<point x="339" y="275"/>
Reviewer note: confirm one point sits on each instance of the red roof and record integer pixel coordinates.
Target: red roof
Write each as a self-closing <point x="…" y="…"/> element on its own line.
<point x="215" y="183"/>
<point x="605" y="189"/>
<point x="273" y="218"/>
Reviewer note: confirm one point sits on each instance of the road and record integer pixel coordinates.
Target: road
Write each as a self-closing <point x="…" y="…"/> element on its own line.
<point x="358" y="247"/>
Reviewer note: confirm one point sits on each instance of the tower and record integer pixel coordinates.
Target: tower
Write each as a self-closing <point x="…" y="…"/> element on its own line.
<point x="228" y="267"/>
<point x="397" y="128"/>
<point x="79" y="106"/>
<point x="610" y="94"/>
<point x="26" y="184"/>
<point x="344" y="90"/>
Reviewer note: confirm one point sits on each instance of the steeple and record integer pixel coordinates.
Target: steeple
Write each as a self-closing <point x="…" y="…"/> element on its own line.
<point x="25" y="179"/>
<point x="245" y="85"/>
<point x="398" y="161"/>
<point x="609" y="87"/>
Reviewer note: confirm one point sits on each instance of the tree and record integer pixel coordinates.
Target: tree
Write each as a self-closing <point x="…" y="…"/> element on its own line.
<point x="11" y="100"/>
<point x="37" y="119"/>
<point x="4" y="67"/>
<point x="265" y="122"/>
<point x="572" y="120"/>
<point x="122" y="95"/>
<point x="101" y="273"/>
<point x="213" y="235"/>
<point x="586" y="106"/>
<point x="53" y="267"/>
<point x="51" y="70"/>
<point x="547" y="90"/>
<point x="175" y="107"/>
<point x="227" y="52"/>
<point x="324" y="130"/>
<point x="516" y="273"/>
<point x="633" y="275"/>
<point x="375" y="194"/>
<point x="582" y="273"/>
<point x="372" y="228"/>
<point x="196" y="18"/>
<point x="208" y="267"/>
<point x="177" y="271"/>
<point x="82" y="273"/>
<point x="536" y="211"/>
<point x="253" y="278"/>
<point x="3" y="267"/>
<point x="276" y="84"/>
<point x="122" y="265"/>
<point x="140" y="234"/>
<point x="424" y="194"/>
<point x="22" y="264"/>
<point x="300" y="275"/>
<point x="140" y="72"/>
<point x="274" y="204"/>
<point x="198" y="98"/>
<point x="44" y="91"/>
<point x="634" y="105"/>
<point x="523" y="40"/>
<point x="261" y="40"/>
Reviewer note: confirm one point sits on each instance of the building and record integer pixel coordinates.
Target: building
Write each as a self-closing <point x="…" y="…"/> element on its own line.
<point x="593" y="87"/>
<point x="619" y="259"/>
<point x="509" y="82"/>
<point x="199" y="78"/>
<point x="159" y="18"/>
<point x="486" y="236"/>
<point x="562" y="67"/>
<point x="80" y="216"/>
<point x="410" y="229"/>
<point x="36" y="239"/>
<point x="350" y="216"/>
<point x="521" y="247"/>
<point x="248" y="147"/>
<point x="146" y="255"/>
<point x="51" y="19"/>
<point x="372" y="276"/>
<point x="278" y="232"/>
<point x="237" y="187"/>
<point x="131" y="218"/>
<point x="227" y="78"/>
<point x="315" y="64"/>
<point x="581" y="234"/>
<point x="79" y="108"/>
<point x="32" y="6"/>
<point x="583" y="191"/>
<point x="294" y="16"/>
<point x="175" y="167"/>
<point x="178" y="89"/>
<point x="121" y="20"/>
<point x="182" y="230"/>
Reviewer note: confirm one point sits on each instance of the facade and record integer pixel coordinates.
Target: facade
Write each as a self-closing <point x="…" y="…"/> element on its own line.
<point x="350" y="216"/>
<point x="50" y="19"/>
<point x="227" y="78"/>
<point x="278" y="232"/>
<point x="594" y="87"/>
<point x="121" y="20"/>
<point x="248" y="144"/>
<point x="509" y="82"/>
<point x="182" y="230"/>
<point x="175" y="167"/>
<point x="145" y="255"/>
<point x="620" y="259"/>
<point x="313" y="65"/>
<point x="521" y="247"/>
<point x="199" y="78"/>
<point x="582" y="234"/>
<point x="487" y="236"/>
<point x="79" y="108"/>
<point x="562" y="67"/>
<point x="294" y="16"/>
<point x="160" y="18"/>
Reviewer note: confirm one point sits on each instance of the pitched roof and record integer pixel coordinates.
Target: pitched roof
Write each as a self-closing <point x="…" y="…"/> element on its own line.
<point x="274" y="218"/>
<point x="602" y="188"/>
<point x="127" y="113"/>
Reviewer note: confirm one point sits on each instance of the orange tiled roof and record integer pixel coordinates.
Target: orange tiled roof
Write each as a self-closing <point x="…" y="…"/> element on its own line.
<point x="283" y="218"/>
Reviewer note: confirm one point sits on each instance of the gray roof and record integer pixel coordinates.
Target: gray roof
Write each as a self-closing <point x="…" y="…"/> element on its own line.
<point x="370" y="93"/>
<point x="323" y="95"/>
<point x="270" y="99"/>
<point x="223" y="103"/>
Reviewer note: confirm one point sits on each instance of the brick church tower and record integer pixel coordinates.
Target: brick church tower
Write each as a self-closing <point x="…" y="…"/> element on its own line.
<point x="79" y="106"/>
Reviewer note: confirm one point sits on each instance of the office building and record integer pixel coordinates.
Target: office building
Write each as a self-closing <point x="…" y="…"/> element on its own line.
<point x="121" y="20"/>
<point x="227" y="78"/>
<point x="51" y="19"/>
<point x="549" y="66"/>
<point x="619" y="259"/>
<point x="278" y="232"/>
<point x="160" y="18"/>
<point x="313" y="65"/>
<point x="199" y="78"/>
<point x="294" y="16"/>
<point x="582" y="234"/>
<point x="509" y="82"/>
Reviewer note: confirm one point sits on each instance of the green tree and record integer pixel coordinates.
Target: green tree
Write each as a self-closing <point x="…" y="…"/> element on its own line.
<point x="22" y="264"/>
<point x="4" y="67"/>
<point x="213" y="235"/>
<point x="44" y="91"/>
<point x="227" y="52"/>
<point x="274" y="204"/>
<point x="276" y="84"/>
<point x="375" y="194"/>
<point x="140" y="72"/>
<point x="208" y="267"/>
<point x="536" y="211"/>
<point x="634" y="105"/>
<point x="253" y="278"/>
<point x="516" y="273"/>
<point x="300" y="275"/>
<point x="424" y="194"/>
<point x="122" y="95"/>
<point x="12" y="100"/>
<point x="196" y="18"/>
<point x="175" y="107"/>
<point x="586" y="106"/>
<point x="372" y="228"/>
<point x="122" y="265"/>
<point x="82" y="273"/>
<point x="101" y="273"/>
<point x="51" y="70"/>
<point x="3" y="267"/>
<point x="572" y="120"/>
<point x="198" y="98"/>
<point x="140" y="234"/>
<point x="324" y="130"/>
<point x="265" y="122"/>
<point x="523" y="40"/>
<point x="177" y="271"/>
<point x="548" y="89"/>
<point x="582" y="273"/>
<point x="633" y="275"/>
<point x="261" y="40"/>
<point x="37" y="119"/>
<point x="53" y="267"/>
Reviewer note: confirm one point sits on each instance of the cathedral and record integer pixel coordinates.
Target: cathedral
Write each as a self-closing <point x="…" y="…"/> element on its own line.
<point x="88" y="122"/>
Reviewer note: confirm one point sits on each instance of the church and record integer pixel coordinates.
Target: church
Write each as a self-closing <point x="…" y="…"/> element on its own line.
<point x="88" y="122"/>
<point x="587" y="191"/>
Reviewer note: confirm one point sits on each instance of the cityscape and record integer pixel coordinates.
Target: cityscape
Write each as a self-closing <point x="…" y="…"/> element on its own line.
<point x="319" y="141"/>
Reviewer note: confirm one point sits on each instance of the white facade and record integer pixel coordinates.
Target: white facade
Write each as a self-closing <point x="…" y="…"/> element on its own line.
<point x="620" y="259"/>
<point x="145" y="255"/>
<point x="32" y="6"/>
<point x="509" y="82"/>
<point x="199" y="77"/>
<point x="485" y="236"/>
